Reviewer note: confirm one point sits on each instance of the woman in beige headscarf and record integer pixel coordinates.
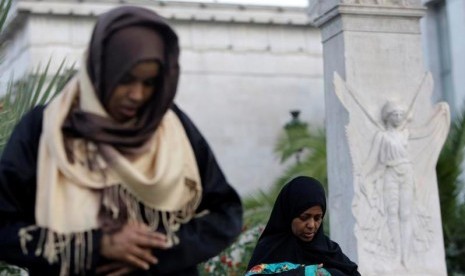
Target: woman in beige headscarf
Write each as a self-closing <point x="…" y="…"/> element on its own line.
<point x="111" y="177"/>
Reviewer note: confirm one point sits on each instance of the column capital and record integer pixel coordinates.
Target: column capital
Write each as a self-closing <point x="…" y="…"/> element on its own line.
<point x="323" y="11"/>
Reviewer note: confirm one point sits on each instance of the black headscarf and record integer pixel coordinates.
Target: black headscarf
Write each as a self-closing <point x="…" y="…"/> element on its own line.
<point x="121" y="38"/>
<point x="277" y="242"/>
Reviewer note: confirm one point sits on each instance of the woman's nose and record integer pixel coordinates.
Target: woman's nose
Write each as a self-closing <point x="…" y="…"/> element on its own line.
<point x="136" y="91"/>
<point x="311" y="223"/>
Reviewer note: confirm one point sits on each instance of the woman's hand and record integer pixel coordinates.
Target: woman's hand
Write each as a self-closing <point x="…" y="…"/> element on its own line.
<point x="321" y="271"/>
<point x="133" y="245"/>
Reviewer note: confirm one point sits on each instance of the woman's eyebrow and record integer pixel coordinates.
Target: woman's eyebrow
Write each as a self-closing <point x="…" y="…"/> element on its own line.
<point x="128" y="75"/>
<point x="132" y="76"/>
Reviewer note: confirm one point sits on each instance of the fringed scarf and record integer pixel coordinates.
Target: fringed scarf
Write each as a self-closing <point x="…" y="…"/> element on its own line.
<point x="89" y="175"/>
<point x="70" y="196"/>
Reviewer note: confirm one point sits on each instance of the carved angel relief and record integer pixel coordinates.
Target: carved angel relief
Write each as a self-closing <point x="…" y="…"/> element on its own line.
<point x="394" y="172"/>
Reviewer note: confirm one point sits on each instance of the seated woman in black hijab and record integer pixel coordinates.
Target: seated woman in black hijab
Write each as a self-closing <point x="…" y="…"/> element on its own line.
<point x="293" y="242"/>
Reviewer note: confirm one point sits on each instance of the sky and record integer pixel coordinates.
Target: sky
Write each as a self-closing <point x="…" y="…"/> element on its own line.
<point x="292" y="3"/>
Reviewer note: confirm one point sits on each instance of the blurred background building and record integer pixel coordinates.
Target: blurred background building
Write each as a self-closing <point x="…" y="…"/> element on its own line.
<point x="443" y="30"/>
<point x="244" y="66"/>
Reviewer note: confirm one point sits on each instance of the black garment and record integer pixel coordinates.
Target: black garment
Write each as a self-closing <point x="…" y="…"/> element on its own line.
<point x="200" y="239"/>
<point x="277" y="242"/>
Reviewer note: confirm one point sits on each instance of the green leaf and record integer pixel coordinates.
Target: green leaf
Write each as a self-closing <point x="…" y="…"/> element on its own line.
<point x="450" y="183"/>
<point x="5" y="6"/>
<point x="23" y="95"/>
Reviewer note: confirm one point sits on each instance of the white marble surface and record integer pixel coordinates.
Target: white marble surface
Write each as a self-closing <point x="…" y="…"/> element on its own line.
<point x="394" y="153"/>
<point x="376" y="49"/>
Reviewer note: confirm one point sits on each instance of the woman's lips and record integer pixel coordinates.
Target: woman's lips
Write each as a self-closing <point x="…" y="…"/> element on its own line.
<point x="309" y="235"/>
<point x="129" y="111"/>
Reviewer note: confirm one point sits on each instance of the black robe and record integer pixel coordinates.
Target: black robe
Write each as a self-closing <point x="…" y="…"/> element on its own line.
<point x="200" y="239"/>
<point x="278" y="243"/>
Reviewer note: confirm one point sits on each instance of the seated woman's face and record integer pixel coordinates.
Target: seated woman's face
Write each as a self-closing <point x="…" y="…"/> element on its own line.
<point x="307" y="223"/>
<point x="133" y="91"/>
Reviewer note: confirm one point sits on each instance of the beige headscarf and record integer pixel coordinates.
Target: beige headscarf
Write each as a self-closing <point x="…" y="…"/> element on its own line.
<point x="101" y="185"/>
<point x="164" y="180"/>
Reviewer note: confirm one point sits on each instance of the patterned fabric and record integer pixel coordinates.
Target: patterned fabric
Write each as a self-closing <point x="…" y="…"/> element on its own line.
<point x="278" y="242"/>
<point x="277" y="268"/>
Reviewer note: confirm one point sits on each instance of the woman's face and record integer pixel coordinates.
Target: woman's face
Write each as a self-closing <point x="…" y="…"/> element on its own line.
<point x="307" y="224"/>
<point x="133" y="91"/>
<point x="396" y="118"/>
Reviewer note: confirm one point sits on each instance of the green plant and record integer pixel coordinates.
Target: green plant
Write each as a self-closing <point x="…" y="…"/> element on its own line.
<point x="233" y="260"/>
<point x="9" y="270"/>
<point x="5" y="6"/>
<point x="33" y="90"/>
<point x="449" y="171"/>
<point x="309" y="148"/>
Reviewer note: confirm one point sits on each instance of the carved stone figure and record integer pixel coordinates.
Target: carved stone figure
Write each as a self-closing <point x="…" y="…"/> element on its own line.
<point x="391" y="157"/>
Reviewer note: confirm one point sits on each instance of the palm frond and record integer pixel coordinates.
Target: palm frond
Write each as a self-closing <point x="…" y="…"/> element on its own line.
<point x="27" y="93"/>
<point x="5" y="6"/>
<point x="287" y="147"/>
<point x="311" y="148"/>
<point x="449" y="171"/>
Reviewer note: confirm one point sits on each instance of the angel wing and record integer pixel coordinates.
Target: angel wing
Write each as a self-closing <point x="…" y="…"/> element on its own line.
<point x="427" y="136"/>
<point x="362" y="127"/>
<point x="363" y="134"/>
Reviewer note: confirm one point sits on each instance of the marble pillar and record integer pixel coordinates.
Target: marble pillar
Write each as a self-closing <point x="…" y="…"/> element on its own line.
<point x="384" y="136"/>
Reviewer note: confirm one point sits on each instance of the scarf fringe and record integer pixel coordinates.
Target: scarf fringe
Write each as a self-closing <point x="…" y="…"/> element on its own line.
<point x="56" y="247"/>
<point x="117" y="197"/>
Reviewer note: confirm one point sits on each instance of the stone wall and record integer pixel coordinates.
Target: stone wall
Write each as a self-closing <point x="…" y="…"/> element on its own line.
<point x="243" y="69"/>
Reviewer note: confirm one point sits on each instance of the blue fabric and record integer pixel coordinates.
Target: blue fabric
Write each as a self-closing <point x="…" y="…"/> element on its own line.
<point x="277" y="268"/>
<point x="278" y="243"/>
